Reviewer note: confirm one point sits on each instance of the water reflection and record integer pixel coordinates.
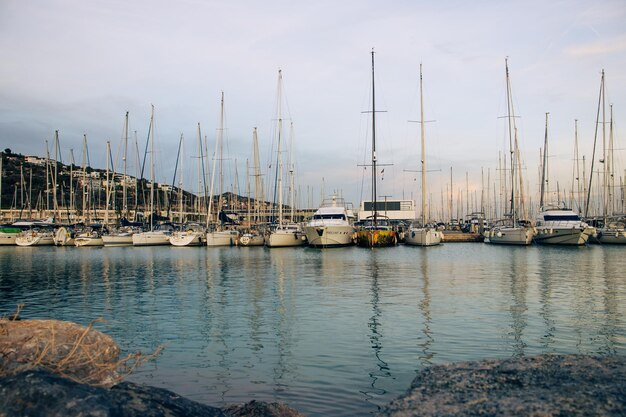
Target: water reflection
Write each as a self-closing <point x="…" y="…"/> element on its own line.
<point x="337" y="332"/>
<point x="518" y="278"/>
<point x="426" y="355"/>
<point x="374" y="324"/>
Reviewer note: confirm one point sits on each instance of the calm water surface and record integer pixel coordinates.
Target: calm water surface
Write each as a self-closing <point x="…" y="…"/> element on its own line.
<point x="332" y="332"/>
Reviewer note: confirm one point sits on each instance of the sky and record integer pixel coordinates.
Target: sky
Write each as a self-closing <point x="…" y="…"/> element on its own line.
<point x="79" y="66"/>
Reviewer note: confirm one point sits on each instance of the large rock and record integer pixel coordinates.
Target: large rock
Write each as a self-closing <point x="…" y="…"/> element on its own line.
<point x="547" y="385"/>
<point x="39" y="393"/>
<point x="78" y="352"/>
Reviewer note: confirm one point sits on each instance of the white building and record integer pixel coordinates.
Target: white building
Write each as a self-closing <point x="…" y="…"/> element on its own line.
<point x="393" y="209"/>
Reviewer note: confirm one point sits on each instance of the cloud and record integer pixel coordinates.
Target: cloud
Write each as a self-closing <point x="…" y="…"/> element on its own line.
<point x="602" y="47"/>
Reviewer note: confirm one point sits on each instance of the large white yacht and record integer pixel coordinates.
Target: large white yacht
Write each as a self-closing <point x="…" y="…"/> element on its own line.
<point x="561" y="226"/>
<point x="331" y="225"/>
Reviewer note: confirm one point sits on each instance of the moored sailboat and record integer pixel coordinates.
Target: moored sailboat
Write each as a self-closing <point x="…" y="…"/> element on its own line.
<point x="374" y="232"/>
<point x="423" y="234"/>
<point x="282" y="233"/>
<point x="512" y="230"/>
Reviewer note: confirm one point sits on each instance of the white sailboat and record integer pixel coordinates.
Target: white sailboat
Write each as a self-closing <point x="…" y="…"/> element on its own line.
<point x="612" y="227"/>
<point x="218" y="234"/>
<point x="122" y="236"/>
<point x="557" y="224"/>
<point x="281" y="233"/>
<point x="512" y="230"/>
<point x="331" y="225"/>
<point x="423" y="234"/>
<point x="155" y="236"/>
<point x="253" y="236"/>
<point x="192" y="234"/>
<point x="40" y="234"/>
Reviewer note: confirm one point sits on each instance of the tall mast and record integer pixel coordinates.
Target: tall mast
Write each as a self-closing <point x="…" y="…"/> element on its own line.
<point x="292" y="184"/>
<point x="200" y="165"/>
<point x="106" y="210"/>
<point x="181" y="194"/>
<point x="278" y="183"/>
<point x="510" y="116"/>
<point x="72" y="202"/>
<point x="124" y="193"/>
<point x="374" y="191"/>
<point x="257" y="174"/>
<point x="221" y="156"/>
<point x="576" y="170"/>
<point x="544" y="172"/>
<point x="56" y="172"/>
<point x="423" y="152"/>
<point x="152" y="169"/>
<point x="593" y="154"/>
<point x="85" y="208"/>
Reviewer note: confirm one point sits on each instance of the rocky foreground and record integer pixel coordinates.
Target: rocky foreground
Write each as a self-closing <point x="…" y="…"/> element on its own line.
<point x="51" y="368"/>
<point x="540" y="386"/>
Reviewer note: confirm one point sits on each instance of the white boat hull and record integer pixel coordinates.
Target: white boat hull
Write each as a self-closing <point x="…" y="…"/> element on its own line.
<point x="423" y="237"/>
<point x="511" y="235"/>
<point x="222" y="238"/>
<point x="155" y="238"/>
<point x="190" y="238"/>
<point x="88" y="241"/>
<point x="329" y="236"/>
<point x="575" y="236"/>
<point x="63" y="237"/>
<point x="285" y="238"/>
<point x="35" y="239"/>
<point x="8" y="238"/>
<point x="124" y="239"/>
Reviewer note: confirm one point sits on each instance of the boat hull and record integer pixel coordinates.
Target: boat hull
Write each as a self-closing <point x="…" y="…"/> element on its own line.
<point x="376" y="238"/>
<point x="35" y="239"/>
<point x="511" y="236"/>
<point x="423" y="237"/>
<point x="222" y="238"/>
<point x="118" y="240"/>
<point x="89" y="241"/>
<point x="151" y="239"/>
<point x="575" y="236"/>
<point x="63" y="237"/>
<point x="8" y="238"/>
<point x="611" y="237"/>
<point x="283" y="239"/>
<point x="329" y="236"/>
<point x="187" y="239"/>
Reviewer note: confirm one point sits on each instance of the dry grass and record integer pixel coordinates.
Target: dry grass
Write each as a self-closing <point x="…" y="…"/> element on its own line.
<point x="76" y="352"/>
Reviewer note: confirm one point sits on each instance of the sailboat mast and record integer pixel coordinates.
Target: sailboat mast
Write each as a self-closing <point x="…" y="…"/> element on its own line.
<point x="152" y="170"/>
<point x="257" y="174"/>
<point x="108" y="187"/>
<point x="124" y="191"/>
<point x="595" y="138"/>
<point x="200" y="165"/>
<point x="511" y="148"/>
<point x="423" y="152"/>
<point x="544" y="173"/>
<point x="374" y="191"/>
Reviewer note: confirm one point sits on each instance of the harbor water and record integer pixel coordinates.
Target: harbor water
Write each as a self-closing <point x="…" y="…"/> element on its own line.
<point x="329" y="332"/>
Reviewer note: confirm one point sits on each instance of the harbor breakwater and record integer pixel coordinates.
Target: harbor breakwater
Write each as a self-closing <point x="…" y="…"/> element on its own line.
<point x="45" y="366"/>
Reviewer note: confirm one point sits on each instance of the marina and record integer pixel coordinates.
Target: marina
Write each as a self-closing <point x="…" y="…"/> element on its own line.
<point x="329" y="332"/>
